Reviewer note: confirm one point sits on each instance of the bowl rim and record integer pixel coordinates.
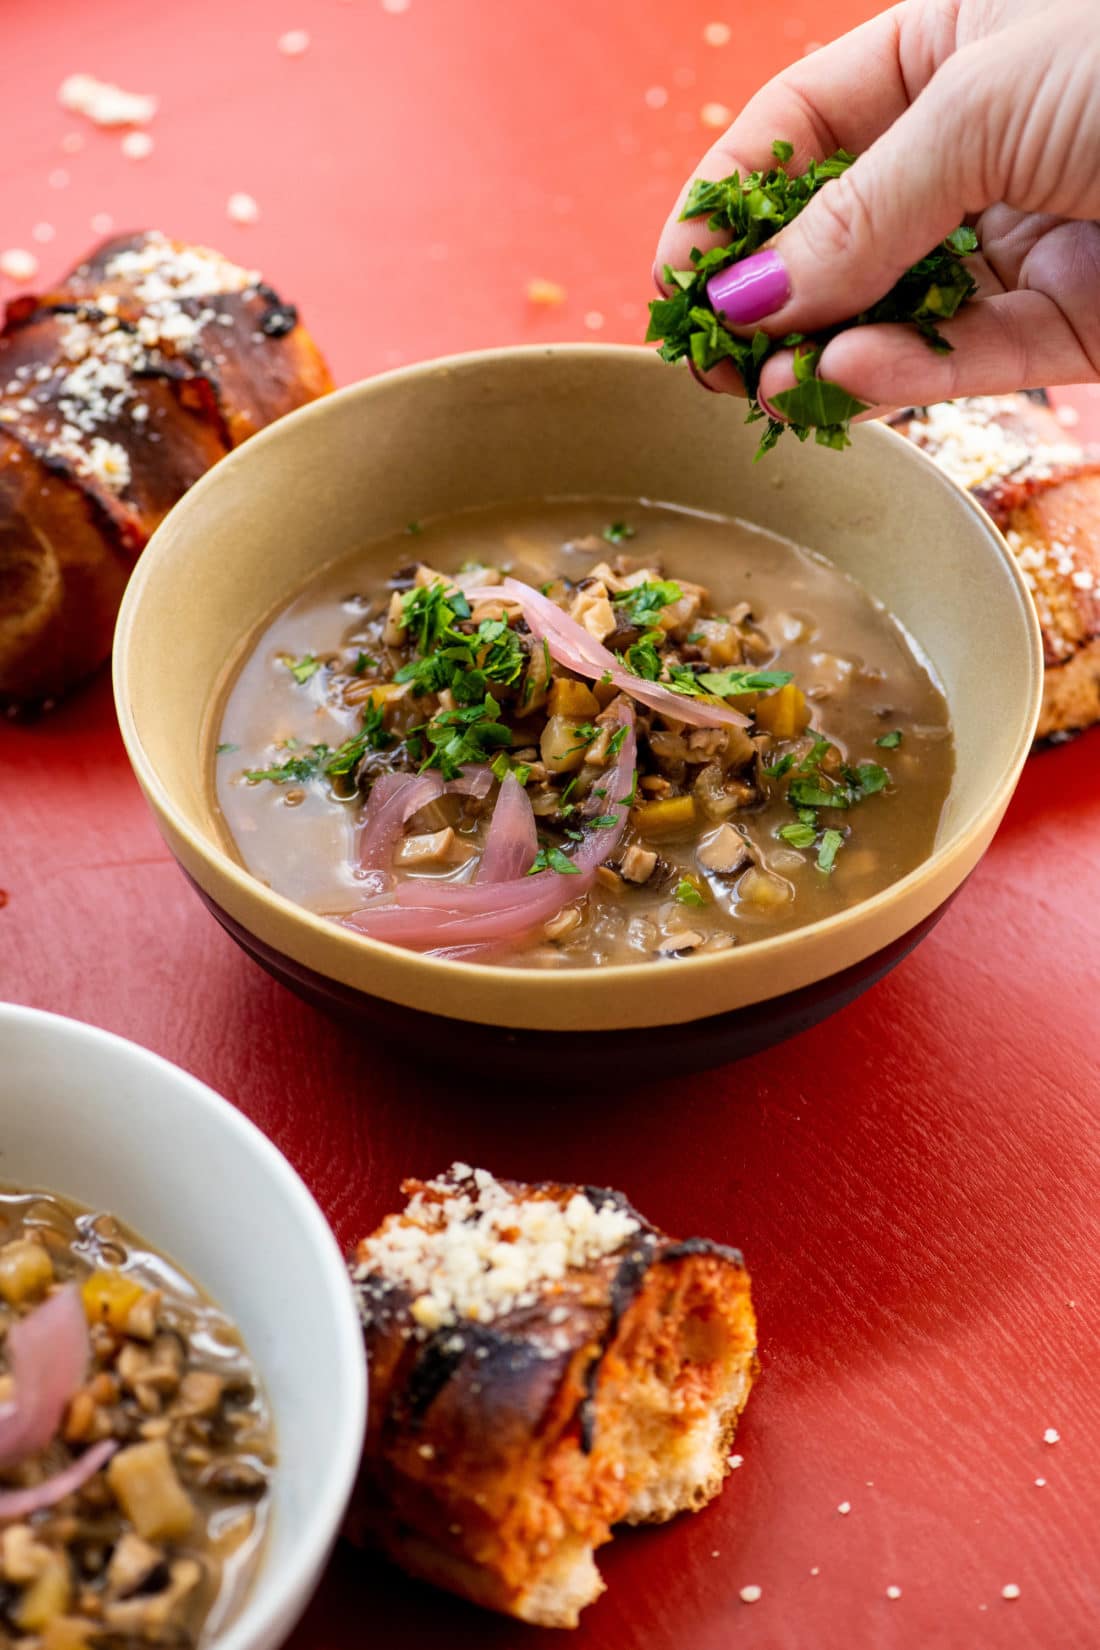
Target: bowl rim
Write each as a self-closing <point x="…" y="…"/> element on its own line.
<point x="274" y="1600"/>
<point x="949" y="861"/>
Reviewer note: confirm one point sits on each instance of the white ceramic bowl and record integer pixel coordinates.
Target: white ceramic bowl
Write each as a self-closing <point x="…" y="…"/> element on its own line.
<point x="100" y="1120"/>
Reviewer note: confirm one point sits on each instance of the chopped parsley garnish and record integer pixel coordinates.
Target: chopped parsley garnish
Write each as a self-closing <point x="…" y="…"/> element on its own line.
<point x="553" y="859"/>
<point x="430" y="610"/>
<point x="414" y="527"/>
<point x="362" y="663"/>
<point x="455" y="737"/>
<point x="747" y="212"/>
<point x="687" y="893"/>
<point x="799" y="835"/>
<point x="501" y="767"/>
<point x="615" y="745"/>
<point x="223" y="750"/>
<point x="728" y="683"/>
<point x="890" y="741"/>
<point x="643" y="603"/>
<point x="642" y="658"/>
<point x="784" y="765"/>
<point x="603" y="822"/>
<point x="322" y="759"/>
<point x="831" y="843"/>
<point x="697" y="636"/>
<point x="585" y="733"/>
<point x="295" y="767"/>
<point x="302" y="669"/>
<point x="617" y="531"/>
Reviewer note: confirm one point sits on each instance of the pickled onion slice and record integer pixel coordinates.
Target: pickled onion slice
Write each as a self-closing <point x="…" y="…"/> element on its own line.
<point x="512" y="841"/>
<point x="572" y="646"/>
<point x="22" y="1503"/>
<point x="48" y="1354"/>
<point x="425" y="915"/>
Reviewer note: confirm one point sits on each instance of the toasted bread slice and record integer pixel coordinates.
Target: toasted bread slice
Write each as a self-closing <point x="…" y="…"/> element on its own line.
<point x="544" y="1364"/>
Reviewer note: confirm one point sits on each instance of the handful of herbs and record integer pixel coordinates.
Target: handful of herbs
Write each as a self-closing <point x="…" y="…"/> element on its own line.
<point x="750" y="211"/>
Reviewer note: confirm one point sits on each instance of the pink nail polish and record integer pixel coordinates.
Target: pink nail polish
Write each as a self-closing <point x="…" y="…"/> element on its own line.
<point x="748" y="291"/>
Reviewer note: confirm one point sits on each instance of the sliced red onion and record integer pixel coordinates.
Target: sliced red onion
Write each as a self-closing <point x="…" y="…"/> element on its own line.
<point x="512" y="841"/>
<point x="22" y="1503"/>
<point x="394" y="799"/>
<point x="476" y="782"/>
<point x="48" y="1354"/>
<point x="573" y="647"/>
<point x="428" y="915"/>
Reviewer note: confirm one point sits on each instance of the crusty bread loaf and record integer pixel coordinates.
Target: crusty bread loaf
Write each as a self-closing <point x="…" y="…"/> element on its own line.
<point x="1042" y="489"/>
<point x="119" y="390"/>
<point x="544" y="1364"/>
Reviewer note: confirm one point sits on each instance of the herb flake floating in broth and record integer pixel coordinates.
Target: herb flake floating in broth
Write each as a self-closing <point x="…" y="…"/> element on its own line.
<point x="603" y="754"/>
<point x="748" y="211"/>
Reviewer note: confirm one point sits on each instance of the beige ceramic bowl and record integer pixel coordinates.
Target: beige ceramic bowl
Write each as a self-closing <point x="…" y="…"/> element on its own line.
<point x="517" y="424"/>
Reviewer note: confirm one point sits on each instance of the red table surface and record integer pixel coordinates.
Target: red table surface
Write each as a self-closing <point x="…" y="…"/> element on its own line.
<point x="914" y="1182"/>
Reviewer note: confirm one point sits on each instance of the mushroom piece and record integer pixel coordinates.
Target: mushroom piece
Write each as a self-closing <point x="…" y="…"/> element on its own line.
<point x="724" y="851"/>
<point x="638" y="864"/>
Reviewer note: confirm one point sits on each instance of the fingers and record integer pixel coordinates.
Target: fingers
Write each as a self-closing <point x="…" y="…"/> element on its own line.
<point x="1020" y="340"/>
<point x="843" y="96"/>
<point x="970" y="138"/>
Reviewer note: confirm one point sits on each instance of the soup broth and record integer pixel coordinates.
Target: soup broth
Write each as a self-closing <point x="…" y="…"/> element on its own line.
<point x="160" y="1545"/>
<point x="718" y="849"/>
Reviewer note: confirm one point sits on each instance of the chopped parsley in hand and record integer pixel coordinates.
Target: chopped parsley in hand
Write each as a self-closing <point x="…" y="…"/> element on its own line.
<point x="748" y="212"/>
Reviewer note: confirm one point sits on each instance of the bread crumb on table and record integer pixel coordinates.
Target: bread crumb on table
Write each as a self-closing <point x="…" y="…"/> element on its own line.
<point x="1010" y="1590"/>
<point x="137" y="145"/>
<point x="241" y="208"/>
<point x="750" y="1594"/>
<point x="293" y="43"/>
<point x="18" y="264"/>
<point x="103" y="103"/>
<point x="547" y="294"/>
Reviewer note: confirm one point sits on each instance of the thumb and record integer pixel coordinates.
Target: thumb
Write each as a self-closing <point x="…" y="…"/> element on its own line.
<point x="863" y="230"/>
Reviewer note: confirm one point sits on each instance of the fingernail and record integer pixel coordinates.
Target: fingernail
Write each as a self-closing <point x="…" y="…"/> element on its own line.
<point x="658" y="271"/>
<point x="699" y="379"/>
<point x="748" y="291"/>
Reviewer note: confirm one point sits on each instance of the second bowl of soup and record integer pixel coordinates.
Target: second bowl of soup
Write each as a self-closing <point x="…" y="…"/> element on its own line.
<point x="508" y="691"/>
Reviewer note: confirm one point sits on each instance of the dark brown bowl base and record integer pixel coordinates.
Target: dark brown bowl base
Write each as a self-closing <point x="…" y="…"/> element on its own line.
<point x="549" y="1056"/>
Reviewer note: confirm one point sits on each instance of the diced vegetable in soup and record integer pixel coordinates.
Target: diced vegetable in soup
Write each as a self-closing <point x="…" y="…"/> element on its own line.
<point x="582" y="734"/>
<point x="135" y="1441"/>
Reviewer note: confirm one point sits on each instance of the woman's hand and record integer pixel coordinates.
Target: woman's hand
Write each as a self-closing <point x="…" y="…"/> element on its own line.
<point x="983" y="110"/>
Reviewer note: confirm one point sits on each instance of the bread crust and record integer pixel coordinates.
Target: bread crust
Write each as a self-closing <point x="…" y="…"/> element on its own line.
<point x="499" y="1455"/>
<point x="116" y="395"/>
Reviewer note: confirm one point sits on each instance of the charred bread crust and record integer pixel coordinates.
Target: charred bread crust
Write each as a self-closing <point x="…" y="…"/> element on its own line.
<point x="118" y="391"/>
<point x="500" y="1453"/>
<point x="1043" y="491"/>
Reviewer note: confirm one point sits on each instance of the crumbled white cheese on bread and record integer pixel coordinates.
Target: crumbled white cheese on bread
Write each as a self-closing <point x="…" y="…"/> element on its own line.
<point x="471" y="1251"/>
<point x="967" y="441"/>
